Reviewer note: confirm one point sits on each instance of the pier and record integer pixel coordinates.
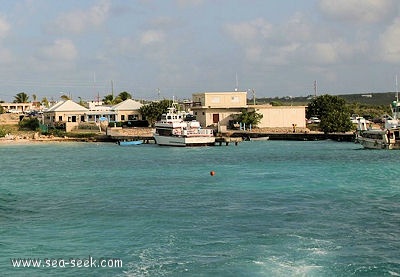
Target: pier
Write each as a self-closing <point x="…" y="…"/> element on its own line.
<point x="306" y="136"/>
<point x="220" y="140"/>
<point x="235" y="137"/>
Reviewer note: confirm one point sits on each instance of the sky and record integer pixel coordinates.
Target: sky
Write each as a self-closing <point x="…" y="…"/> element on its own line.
<point x="173" y="48"/>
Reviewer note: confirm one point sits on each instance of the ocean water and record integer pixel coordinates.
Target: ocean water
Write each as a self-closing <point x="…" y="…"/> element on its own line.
<point x="273" y="208"/>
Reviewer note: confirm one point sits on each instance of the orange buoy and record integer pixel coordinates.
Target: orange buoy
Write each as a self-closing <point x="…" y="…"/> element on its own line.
<point x="212" y="173"/>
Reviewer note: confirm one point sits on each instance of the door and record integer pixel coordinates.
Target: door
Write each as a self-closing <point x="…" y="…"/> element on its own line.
<point x="215" y="118"/>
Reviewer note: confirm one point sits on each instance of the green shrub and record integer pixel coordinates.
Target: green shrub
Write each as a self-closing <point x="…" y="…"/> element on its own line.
<point x="3" y="131"/>
<point x="29" y="124"/>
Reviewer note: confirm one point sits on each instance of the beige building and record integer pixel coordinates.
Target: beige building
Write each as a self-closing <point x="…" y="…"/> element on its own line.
<point x="211" y="108"/>
<point x="280" y="116"/>
<point x="218" y="108"/>
<point x="127" y="110"/>
<point x="66" y="114"/>
<point x="16" y="107"/>
<point x="69" y="114"/>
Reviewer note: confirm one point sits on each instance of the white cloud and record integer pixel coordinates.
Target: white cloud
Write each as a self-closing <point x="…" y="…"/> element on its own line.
<point x="151" y="37"/>
<point x="249" y="30"/>
<point x="6" y="57"/>
<point x="363" y="11"/>
<point x="389" y="43"/>
<point x="296" y="41"/>
<point x="61" y="49"/>
<point x="184" y="3"/>
<point x="80" y="20"/>
<point x="4" y="27"/>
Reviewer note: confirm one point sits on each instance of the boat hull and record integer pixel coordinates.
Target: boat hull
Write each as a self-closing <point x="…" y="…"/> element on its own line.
<point x="181" y="141"/>
<point x="374" y="144"/>
<point x="129" y="143"/>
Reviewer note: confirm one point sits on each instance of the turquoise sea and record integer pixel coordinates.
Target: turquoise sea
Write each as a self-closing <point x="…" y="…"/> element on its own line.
<point x="273" y="208"/>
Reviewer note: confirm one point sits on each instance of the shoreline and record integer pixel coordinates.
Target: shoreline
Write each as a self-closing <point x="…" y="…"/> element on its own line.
<point x="146" y="134"/>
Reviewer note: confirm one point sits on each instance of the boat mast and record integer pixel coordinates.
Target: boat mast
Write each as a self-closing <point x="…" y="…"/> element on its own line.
<point x="397" y="92"/>
<point x="395" y="106"/>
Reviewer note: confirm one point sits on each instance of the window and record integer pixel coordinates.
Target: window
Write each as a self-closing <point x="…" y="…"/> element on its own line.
<point x="60" y="118"/>
<point x="122" y="117"/>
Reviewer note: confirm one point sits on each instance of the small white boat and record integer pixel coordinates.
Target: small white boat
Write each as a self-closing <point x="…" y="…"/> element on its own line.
<point x="259" y="138"/>
<point x="129" y="142"/>
<point x="174" y="129"/>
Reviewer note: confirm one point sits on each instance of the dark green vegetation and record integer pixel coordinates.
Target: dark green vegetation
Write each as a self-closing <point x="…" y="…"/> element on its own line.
<point x="111" y="100"/>
<point x="375" y="99"/>
<point x="21" y="97"/>
<point x="369" y="105"/>
<point x="248" y="118"/>
<point x="153" y="111"/>
<point x="333" y="112"/>
<point x="31" y="124"/>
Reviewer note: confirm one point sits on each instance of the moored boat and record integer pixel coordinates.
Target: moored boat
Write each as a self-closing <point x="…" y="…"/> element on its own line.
<point x="178" y="128"/>
<point x="129" y="142"/>
<point x="385" y="138"/>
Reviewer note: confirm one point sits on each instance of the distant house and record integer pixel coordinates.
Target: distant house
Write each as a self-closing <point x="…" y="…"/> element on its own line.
<point x="66" y="113"/>
<point x="16" y="107"/>
<point x="218" y="108"/>
<point x="97" y="113"/>
<point x="280" y="116"/>
<point x="70" y="114"/>
<point x="211" y="108"/>
<point x="127" y="110"/>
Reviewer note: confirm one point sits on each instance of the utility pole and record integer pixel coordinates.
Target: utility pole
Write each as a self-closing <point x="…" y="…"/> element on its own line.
<point x="315" y="88"/>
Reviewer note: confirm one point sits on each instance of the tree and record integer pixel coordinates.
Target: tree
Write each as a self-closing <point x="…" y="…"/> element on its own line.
<point x="45" y="102"/>
<point x="82" y="103"/>
<point x="248" y="118"/>
<point x="153" y="111"/>
<point x="111" y="100"/>
<point x="333" y="112"/>
<point x="124" y="96"/>
<point x="65" y="97"/>
<point x="21" y="97"/>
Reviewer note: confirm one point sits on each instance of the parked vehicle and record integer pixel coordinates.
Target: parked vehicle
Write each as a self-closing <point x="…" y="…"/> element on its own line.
<point x="313" y="120"/>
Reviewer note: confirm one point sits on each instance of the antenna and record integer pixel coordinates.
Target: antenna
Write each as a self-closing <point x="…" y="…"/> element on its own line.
<point x="397" y="92"/>
<point x="315" y="88"/>
<point x="237" y="83"/>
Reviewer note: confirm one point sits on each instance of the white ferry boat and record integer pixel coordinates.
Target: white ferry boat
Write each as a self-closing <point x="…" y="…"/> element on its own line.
<point x="386" y="138"/>
<point x="176" y="128"/>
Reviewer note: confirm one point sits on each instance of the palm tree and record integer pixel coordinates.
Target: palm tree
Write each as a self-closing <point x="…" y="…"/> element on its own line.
<point x="125" y="95"/>
<point x="110" y="100"/>
<point x="65" y="97"/>
<point x="82" y="103"/>
<point x="45" y="102"/>
<point x="21" y="97"/>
